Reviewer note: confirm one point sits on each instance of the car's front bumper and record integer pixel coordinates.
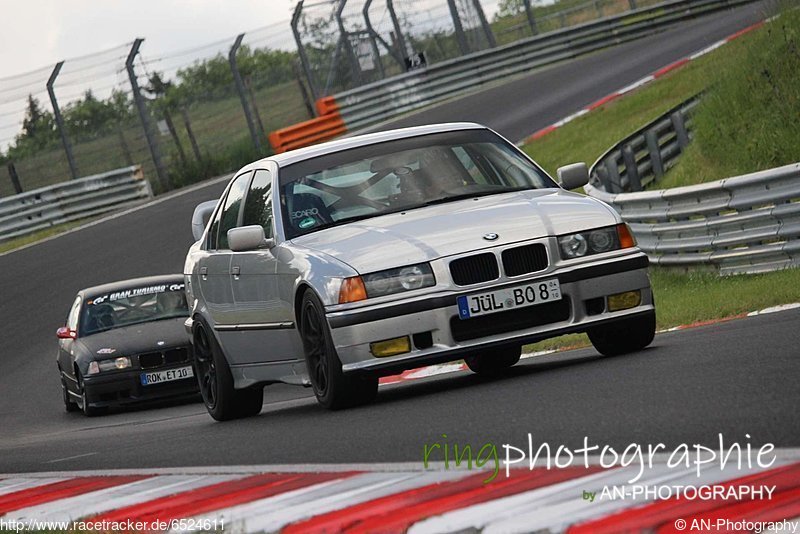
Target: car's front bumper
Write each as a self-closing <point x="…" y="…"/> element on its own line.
<point x="582" y="287"/>
<point x="118" y="388"/>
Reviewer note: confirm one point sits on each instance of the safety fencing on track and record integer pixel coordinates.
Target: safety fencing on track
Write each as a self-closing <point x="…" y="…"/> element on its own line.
<point x="744" y="224"/>
<point x="71" y="201"/>
<point x="386" y="99"/>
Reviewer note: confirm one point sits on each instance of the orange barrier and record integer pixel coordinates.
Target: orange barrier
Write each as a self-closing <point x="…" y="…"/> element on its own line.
<point x="323" y="128"/>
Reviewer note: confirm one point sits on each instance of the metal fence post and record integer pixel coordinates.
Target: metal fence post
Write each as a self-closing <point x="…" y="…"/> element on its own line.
<point x="631" y="169"/>
<point x="529" y="14"/>
<point x="680" y="129"/>
<point x="174" y="133"/>
<point x="301" y="51"/>
<point x="188" y="125"/>
<point x="655" y="153"/>
<point x="398" y="32"/>
<point x="463" y="45"/>
<point x="348" y="46"/>
<point x="487" y="30"/>
<point x="12" y="172"/>
<point x="237" y="78"/>
<point x="612" y="172"/>
<point x="303" y="91"/>
<point x="152" y="143"/>
<point x="248" y="83"/>
<point x="73" y="169"/>
<point x="372" y="37"/>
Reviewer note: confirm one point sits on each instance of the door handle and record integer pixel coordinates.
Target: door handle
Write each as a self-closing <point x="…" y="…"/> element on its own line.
<point x="236" y="271"/>
<point x="204" y="273"/>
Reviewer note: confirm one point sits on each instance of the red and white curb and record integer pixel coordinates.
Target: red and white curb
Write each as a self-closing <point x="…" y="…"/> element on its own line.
<point x="635" y="85"/>
<point x="454" y="367"/>
<point x="407" y="498"/>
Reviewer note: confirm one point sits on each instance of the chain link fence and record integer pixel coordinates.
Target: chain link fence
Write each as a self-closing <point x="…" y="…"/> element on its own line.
<point x="202" y="111"/>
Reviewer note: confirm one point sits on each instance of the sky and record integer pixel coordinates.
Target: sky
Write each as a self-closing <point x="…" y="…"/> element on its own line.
<point x="38" y="33"/>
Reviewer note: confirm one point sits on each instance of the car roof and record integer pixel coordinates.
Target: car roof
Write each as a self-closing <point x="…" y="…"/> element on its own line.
<point x="103" y="289"/>
<point x="301" y="154"/>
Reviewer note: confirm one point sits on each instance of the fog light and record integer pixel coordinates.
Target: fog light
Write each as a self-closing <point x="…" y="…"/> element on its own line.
<point x="623" y="301"/>
<point x="390" y="347"/>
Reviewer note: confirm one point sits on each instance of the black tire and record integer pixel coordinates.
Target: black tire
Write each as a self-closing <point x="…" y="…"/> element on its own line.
<point x="493" y="362"/>
<point x="334" y="389"/>
<point x="69" y="405"/>
<point x="214" y="377"/>
<point x="625" y="336"/>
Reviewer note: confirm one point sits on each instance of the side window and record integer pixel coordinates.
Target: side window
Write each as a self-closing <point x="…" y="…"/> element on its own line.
<point x="211" y="243"/>
<point x="72" y="318"/>
<point x="258" y="205"/>
<point x="229" y="215"/>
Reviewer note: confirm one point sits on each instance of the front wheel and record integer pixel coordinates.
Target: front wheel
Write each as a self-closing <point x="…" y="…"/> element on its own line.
<point x="334" y="390"/>
<point x="85" y="406"/>
<point x="69" y="404"/>
<point x="493" y="362"/>
<point x="625" y="336"/>
<point x="214" y="377"/>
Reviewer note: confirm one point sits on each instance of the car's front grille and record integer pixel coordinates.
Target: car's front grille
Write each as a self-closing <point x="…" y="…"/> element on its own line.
<point x="176" y="355"/>
<point x="150" y="360"/>
<point x="508" y="321"/>
<point x="474" y="269"/>
<point x="525" y="259"/>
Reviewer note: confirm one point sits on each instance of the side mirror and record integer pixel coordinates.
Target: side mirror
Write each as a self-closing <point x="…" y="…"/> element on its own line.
<point x="66" y="333"/>
<point x="200" y="217"/>
<point x="573" y="176"/>
<point x="246" y="238"/>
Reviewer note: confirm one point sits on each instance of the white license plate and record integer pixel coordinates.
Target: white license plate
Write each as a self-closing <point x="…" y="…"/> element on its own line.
<point x="159" y="377"/>
<point x="510" y="298"/>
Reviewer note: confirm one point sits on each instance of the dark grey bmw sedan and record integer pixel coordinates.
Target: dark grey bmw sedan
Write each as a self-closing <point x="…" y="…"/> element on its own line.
<point x="125" y="342"/>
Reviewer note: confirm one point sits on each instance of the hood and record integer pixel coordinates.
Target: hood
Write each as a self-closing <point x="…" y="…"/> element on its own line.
<point x="425" y="234"/>
<point x="136" y="339"/>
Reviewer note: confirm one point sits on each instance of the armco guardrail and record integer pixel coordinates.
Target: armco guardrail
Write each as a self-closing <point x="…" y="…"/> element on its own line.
<point x="643" y="157"/>
<point x="744" y="224"/>
<point x="70" y="201"/>
<point x="386" y="99"/>
<point x="327" y="125"/>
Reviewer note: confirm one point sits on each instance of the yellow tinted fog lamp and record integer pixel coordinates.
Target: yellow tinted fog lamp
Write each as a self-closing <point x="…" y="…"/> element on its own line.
<point x="623" y="301"/>
<point x="390" y="347"/>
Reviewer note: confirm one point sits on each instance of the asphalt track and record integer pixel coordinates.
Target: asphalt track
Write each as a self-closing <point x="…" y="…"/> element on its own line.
<point x="736" y="378"/>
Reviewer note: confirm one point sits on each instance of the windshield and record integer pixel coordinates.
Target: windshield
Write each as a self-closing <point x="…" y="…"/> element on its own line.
<point x="132" y="306"/>
<point x="401" y="175"/>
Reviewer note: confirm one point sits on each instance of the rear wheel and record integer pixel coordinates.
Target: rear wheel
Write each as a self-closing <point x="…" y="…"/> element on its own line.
<point x="214" y="377"/>
<point x="69" y="404"/>
<point x="334" y="389"/>
<point x="493" y="362"/>
<point x="625" y="336"/>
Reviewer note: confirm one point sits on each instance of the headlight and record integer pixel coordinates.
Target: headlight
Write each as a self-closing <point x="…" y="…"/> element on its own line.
<point x="117" y="364"/>
<point x="399" y="280"/>
<point x="595" y="241"/>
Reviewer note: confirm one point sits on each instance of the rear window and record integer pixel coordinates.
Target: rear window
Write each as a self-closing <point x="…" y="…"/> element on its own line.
<point x="133" y="305"/>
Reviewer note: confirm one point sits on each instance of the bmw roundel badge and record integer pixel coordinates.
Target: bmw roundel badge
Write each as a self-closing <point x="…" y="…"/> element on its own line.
<point x="490" y="236"/>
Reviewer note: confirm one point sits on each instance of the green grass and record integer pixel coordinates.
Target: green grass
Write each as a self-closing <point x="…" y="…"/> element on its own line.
<point x="18" y="242"/>
<point x="748" y="120"/>
<point x="588" y="137"/>
<point x="683" y="298"/>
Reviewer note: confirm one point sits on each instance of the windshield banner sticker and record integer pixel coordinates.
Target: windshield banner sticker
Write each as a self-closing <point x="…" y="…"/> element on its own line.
<point x="135" y="292"/>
